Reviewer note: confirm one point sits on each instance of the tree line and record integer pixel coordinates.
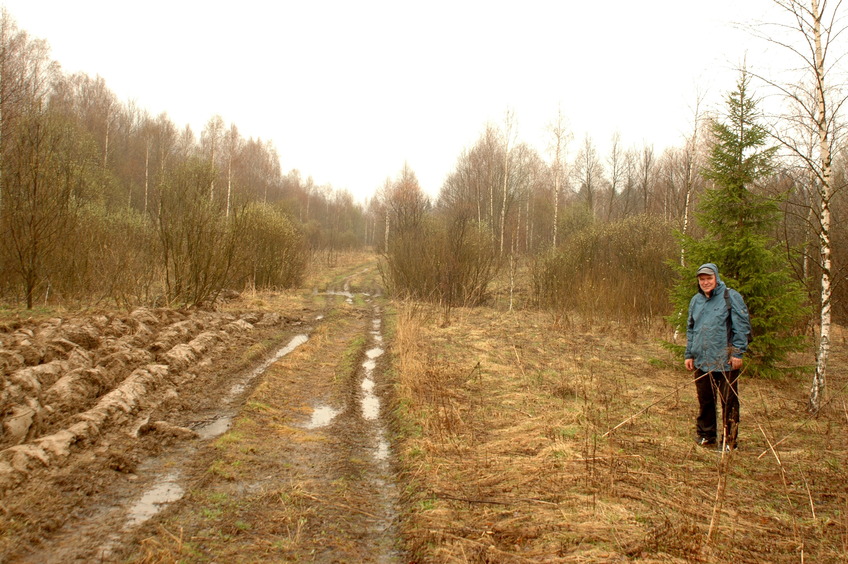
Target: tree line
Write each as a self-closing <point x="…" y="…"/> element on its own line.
<point x="614" y="236"/>
<point x="100" y="201"/>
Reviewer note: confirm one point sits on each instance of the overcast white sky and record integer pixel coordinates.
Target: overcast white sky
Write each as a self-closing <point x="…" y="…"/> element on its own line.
<point x="348" y="91"/>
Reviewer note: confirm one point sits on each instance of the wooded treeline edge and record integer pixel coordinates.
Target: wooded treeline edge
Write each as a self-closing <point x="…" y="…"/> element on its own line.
<point x="101" y="202"/>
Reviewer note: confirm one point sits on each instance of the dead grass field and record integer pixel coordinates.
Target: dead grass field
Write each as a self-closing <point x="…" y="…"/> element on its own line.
<point x="522" y="441"/>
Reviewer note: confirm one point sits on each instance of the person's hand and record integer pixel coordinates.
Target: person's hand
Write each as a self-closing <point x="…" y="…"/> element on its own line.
<point x="735" y="363"/>
<point x="690" y="364"/>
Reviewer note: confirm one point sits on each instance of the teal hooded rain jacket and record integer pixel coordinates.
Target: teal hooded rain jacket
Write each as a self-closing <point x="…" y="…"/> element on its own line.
<point x="718" y="328"/>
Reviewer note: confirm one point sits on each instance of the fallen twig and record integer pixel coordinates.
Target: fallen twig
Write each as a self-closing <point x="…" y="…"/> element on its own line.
<point x="644" y="409"/>
<point x="804" y="423"/>
<point x="494" y="501"/>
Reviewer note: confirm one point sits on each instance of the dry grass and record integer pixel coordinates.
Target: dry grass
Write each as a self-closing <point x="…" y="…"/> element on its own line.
<point x="525" y="441"/>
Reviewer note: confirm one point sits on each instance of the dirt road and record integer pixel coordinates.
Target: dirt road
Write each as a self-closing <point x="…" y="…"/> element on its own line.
<point x="256" y="432"/>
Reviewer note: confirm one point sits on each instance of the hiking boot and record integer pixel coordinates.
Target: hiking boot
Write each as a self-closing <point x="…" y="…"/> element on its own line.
<point x="705" y="441"/>
<point x="726" y="447"/>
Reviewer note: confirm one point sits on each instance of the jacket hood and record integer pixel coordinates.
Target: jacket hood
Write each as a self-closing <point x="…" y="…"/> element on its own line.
<point x="714" y="268"/>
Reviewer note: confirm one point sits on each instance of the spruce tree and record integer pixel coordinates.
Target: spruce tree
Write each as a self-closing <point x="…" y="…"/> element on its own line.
<point x="737" y="221"/>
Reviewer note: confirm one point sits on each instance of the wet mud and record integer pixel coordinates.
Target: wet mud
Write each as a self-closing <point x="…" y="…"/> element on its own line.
<point x="104" y="497"/>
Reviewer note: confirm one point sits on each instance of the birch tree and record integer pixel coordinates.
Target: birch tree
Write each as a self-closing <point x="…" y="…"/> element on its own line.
<point x="12" y="43"/>
<point x="232" y="146"/>
<point x="588" y="173"/>
<point x="509" y="135"/>
<point x="616" y="162"/>
<point x="646" y="174"/>
<point x="691" y="167"/>
<point x="810" y="132"/>
<point x="210" y="141"/>
<point x="559" y="146"/>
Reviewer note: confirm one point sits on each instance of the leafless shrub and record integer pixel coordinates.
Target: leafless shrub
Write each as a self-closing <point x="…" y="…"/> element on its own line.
<point x="197" y="241"/>
<point x="451" y="263"/>
<point x="271" y="252"/>
<point x="617" y="271"/>
<point x="111" y="258"/>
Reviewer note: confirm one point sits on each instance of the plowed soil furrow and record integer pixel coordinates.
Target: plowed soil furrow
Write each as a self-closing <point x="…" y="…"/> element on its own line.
<point x="106" y="400"/>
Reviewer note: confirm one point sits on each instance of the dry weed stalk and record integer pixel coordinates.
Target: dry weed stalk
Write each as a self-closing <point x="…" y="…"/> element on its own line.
<point x="674" y="392"/>
<point x="721" y="489"/>
<point x="809" y="493"/>
<point x="795" y="530"/>
<point x="156" y="553"/>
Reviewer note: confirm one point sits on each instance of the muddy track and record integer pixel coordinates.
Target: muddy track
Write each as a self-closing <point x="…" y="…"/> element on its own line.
<point x="114" y="429"/>
<point x="342" y="467"/>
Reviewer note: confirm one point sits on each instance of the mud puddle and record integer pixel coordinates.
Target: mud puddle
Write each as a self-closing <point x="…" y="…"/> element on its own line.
<point x="221" y="422"/>
<point x="385" y="523"/>
<point x="167" y="489"/>
<point x="338" y="464"/>
<point x="360" y="457"/>
<point x="154" y="485"/>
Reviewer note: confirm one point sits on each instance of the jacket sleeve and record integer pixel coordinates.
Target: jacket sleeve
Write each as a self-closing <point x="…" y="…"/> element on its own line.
<point x="740" y="324"/>
<point x="690" y="327"/>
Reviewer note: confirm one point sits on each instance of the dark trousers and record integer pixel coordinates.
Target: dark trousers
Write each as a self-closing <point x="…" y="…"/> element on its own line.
<point x="723" y="386"/>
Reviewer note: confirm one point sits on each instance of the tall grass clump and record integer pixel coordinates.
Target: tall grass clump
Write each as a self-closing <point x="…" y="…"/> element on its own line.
<point x="614" y="271"/>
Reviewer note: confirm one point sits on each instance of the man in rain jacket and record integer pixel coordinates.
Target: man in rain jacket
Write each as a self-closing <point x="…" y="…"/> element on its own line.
<point x="717" y="337"/>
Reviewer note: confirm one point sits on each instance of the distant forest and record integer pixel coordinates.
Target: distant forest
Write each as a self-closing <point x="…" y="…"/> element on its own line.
<point x="101" y="202"/>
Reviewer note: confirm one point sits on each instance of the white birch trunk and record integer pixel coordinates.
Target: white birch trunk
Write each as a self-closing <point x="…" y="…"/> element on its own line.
<point x="557" y="173"/>
<point x="503" y="200"/>
<point x="146" y="174"/>
<point x="229" y="182"/>
<point x="825" y="194"/>
<point x="388" y="222"/>
<point x="4" y="22"/>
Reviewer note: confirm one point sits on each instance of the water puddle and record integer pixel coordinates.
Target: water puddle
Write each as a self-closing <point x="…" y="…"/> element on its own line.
<point x="166" y="490"/>
<point x="344" y="293"/>
<point x="370" y="406"/>
<point x="370" y="401"/>
<point x="222" y="422"/>
<point x="239" y="387"/>
<point x="381" y="453"/>
<point x="322" y="416"/>
<point x="378" y="445"/>
<point x="214" y="428"/>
